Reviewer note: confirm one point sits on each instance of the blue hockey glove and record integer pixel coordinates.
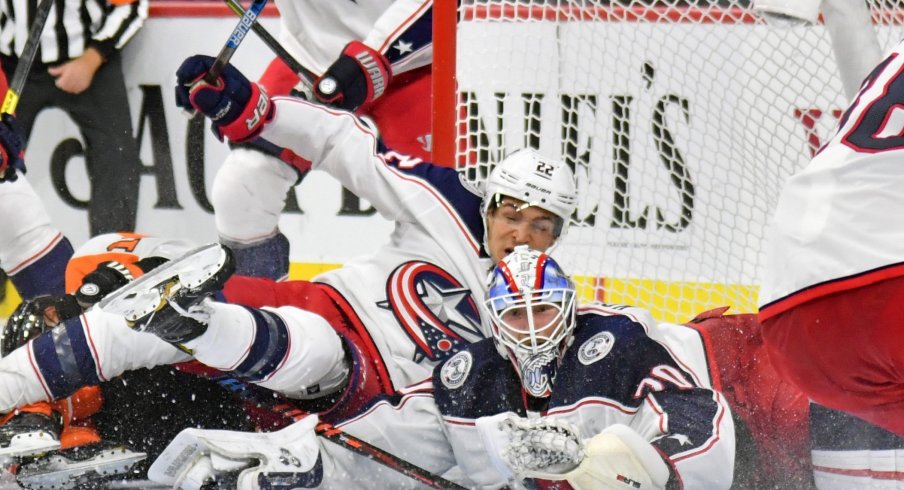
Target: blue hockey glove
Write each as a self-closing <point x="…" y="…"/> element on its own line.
<point x="238" y="108"/>
<point x="358" y="76"/>
<point x="12" y="149"/>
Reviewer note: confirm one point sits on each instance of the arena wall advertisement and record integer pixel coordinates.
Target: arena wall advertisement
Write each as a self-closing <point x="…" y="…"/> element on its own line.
<point x="328" y="225"/>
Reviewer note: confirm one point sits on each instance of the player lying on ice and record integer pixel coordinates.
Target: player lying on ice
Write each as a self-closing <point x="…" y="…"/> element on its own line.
<point x="409" y="305"/>
<point x="558" y="393"/>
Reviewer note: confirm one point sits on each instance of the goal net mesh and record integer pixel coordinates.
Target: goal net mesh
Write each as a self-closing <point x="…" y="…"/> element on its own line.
<point x="681" y="120"/>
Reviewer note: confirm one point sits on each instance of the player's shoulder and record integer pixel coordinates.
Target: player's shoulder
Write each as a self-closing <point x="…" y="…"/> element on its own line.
<point x="625" y="319"/>
<point x="462" y="382"/>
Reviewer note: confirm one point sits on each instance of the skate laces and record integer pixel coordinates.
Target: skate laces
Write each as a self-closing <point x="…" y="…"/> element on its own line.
<point x="200" y="312"/>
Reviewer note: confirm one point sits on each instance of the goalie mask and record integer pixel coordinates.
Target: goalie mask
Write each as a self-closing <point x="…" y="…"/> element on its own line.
<point x="532" y="306"/>
<point x="538" y="181"/>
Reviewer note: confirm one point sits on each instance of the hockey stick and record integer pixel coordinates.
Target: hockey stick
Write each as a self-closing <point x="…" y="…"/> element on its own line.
<point x="11" y="100"/>
<point x="277" y="48"/>
<point x="285" y="408"/>
<point x="238" y="34"/>
<point x="348" y="441"/>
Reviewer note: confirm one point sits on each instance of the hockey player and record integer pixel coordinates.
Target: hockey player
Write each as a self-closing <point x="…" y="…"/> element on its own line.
<point x="126" y="410"/>
<point x="403" y="309"/>
<point x="375" y="59"/>
<point x="583" y="397"/>
<point x="832" y="297"/>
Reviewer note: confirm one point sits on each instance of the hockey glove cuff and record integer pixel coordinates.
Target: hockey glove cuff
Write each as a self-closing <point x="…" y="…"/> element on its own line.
<point x="34" y="316"/>
<point x="12" y="149"/>
<point x="237" y="108"/>
<point x="358" y="76"/>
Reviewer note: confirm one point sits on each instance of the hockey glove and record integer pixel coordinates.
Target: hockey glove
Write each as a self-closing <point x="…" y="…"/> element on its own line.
<point x="12" y="149"/>
<point x="34" y="316"/>
<point x="617" y="458"/>
<point x="108" y="277"/>
<point x="358" y="76"/>
<point x="238" y="108"/>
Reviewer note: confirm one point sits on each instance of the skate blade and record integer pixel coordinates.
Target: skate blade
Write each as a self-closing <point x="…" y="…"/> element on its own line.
<point x="30" y="444"/>
<point x="58" y="472"/>
<point x="146" y="294"/>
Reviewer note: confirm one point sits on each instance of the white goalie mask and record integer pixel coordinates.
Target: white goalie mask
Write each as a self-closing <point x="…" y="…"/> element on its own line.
<point x="538" y="181"/>
<point x="532" y="306"/>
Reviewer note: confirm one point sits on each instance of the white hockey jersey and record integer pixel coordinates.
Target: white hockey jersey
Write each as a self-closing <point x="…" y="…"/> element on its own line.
<point x="418" y="296"/>
<point x="839" y="223"/>
<point x="316" y="31"/>
<point x="612" y="374"/>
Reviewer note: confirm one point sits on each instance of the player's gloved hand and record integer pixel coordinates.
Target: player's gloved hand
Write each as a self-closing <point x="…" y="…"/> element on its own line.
<point x="616" y="458"/>
<point x="33" y="317"/>
<point x="238" y="108"/>
<point x="12" y="148"/>
<point x="359" y="75"/>
<point x="108" y="277"/>
<point x="103" y="280"/>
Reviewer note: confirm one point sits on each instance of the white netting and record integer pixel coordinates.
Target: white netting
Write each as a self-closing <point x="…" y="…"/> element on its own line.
<point x="681" y="119"/>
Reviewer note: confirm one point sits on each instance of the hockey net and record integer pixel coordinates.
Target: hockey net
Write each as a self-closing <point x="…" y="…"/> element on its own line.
<point x="681" y="120"/>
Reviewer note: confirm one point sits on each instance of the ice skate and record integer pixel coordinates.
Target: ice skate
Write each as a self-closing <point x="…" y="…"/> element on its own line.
<point x="29" y="434"/>
<point x="161" y="301"/>
<point x="78" y="467"/>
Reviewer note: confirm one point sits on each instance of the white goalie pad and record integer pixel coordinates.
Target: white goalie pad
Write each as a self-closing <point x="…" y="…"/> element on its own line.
<point x="144" y="295"/>
<point x="288" y="458"/>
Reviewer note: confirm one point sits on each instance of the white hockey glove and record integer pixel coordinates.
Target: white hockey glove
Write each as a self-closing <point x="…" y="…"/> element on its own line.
<point x="287" y="458"/>
<point x="617" y="458"/>
<point x="515" y="444"/>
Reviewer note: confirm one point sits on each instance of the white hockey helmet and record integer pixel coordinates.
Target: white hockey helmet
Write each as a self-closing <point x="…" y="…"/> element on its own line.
<point x="538" y="181"/>
<point x="531" y="303"/>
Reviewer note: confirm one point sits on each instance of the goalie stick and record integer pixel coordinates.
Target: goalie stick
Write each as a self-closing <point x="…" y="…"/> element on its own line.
<point x="238" y="34"/>
<point x="11" y="100"/>
<point x="277" y="48"/>
<point x="284" y="408"/>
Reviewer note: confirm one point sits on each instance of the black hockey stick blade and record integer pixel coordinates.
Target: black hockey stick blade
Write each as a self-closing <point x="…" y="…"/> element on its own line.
<point x="344" y="439"/>
<point x="232" y="44"/>
<point x="11" y="100"/>
<point x="274" y="45"/>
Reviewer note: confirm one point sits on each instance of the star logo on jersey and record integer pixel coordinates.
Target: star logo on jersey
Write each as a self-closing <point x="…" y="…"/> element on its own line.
<point x="436" y="311"/>
<point x="681" y="438"/>
<point x="402" y="47"/>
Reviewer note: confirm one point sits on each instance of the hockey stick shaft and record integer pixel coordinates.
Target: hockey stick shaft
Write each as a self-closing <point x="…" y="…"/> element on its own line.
<point x="363" y="448"/>
<point x="17" y="84"/>
<point x="274" y="45"/>
<point x="287" y="409"/>
<point x="232" y="44"/>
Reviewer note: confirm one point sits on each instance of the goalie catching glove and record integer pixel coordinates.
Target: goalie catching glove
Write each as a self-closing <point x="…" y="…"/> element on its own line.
<point x="617" y="458"/>
<point x="12" y="148"/>
<point x="358" y="76"/>
<point x="238" y="108"/>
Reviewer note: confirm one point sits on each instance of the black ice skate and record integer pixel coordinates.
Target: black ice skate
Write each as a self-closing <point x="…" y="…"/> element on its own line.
<point x="29" y="434"/>
<point x="165" y="301"/>
<point x="80" y="467"/>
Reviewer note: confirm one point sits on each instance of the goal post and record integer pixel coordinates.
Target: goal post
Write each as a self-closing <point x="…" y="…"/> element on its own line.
<point x="681" y="119"/>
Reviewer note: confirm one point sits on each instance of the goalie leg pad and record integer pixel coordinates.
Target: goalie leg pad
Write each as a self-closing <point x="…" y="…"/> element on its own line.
<point x="288" y="458"/>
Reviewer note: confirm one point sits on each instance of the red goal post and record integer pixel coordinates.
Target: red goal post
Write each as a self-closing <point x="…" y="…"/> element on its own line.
<point x="682" y="119"/>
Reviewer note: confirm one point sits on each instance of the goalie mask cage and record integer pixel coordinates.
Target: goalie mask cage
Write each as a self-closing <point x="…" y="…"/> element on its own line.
<point x="681" y="120"/>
